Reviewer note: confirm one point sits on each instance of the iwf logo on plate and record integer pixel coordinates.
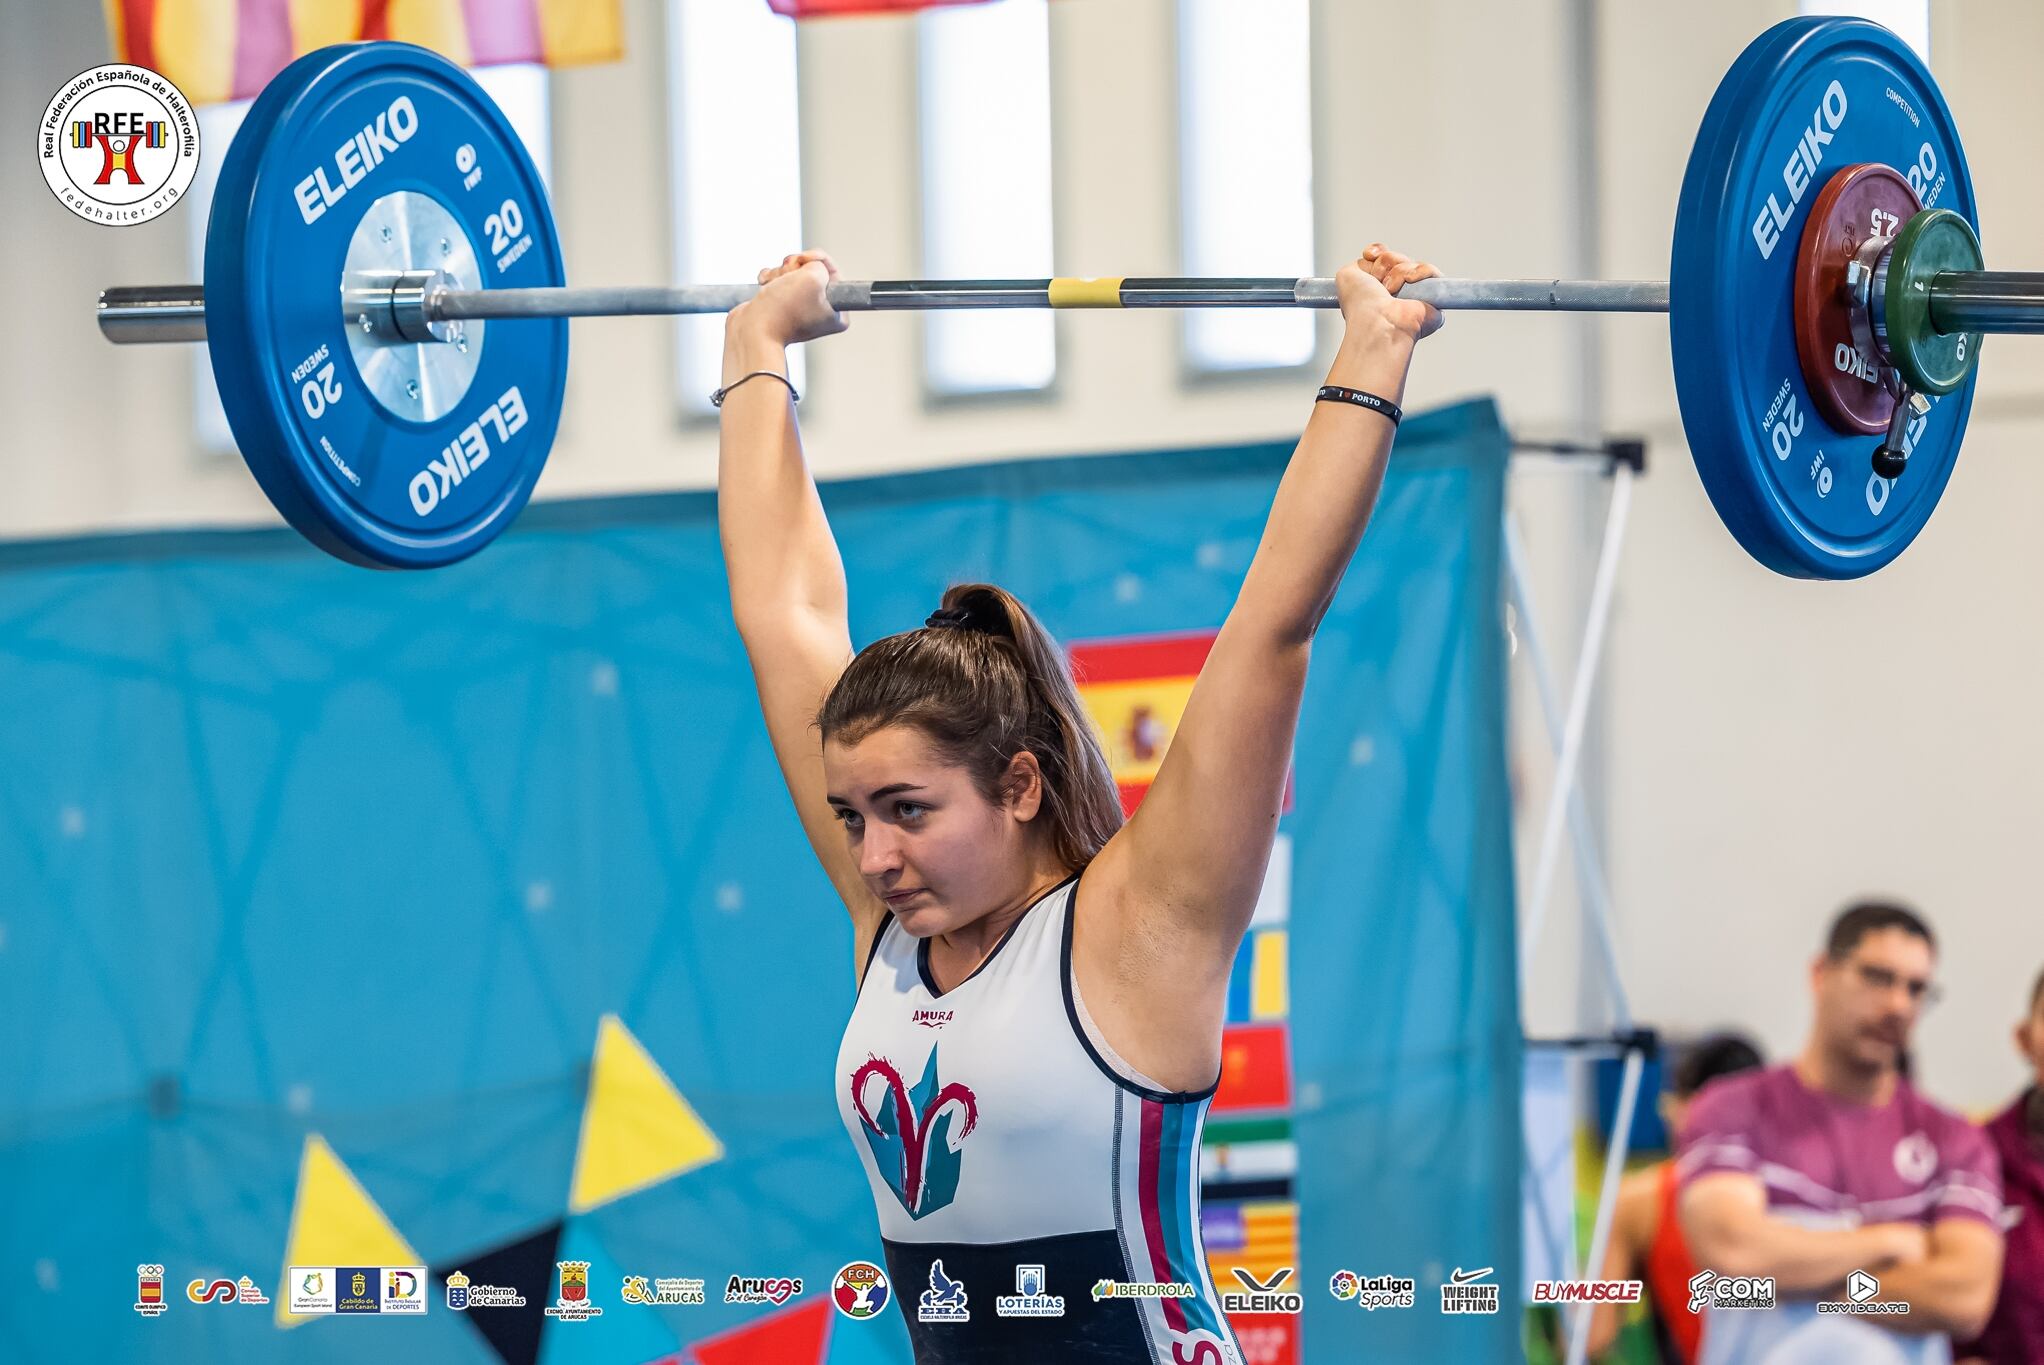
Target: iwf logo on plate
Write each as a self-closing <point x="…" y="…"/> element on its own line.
<point x="118" y="144"/>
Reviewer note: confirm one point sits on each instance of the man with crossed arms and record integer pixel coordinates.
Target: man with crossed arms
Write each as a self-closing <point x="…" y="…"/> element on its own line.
<point x="1833" y="1163"/>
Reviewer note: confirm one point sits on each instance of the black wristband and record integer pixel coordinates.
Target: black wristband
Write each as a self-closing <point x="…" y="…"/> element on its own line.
<point x="1335" y="393"/>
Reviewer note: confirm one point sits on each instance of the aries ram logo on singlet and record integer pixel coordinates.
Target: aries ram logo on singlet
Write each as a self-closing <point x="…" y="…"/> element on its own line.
<point x="915" y="1135"/>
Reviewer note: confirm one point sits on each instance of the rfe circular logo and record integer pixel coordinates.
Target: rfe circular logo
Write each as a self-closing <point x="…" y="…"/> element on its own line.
<point x="118" y="145"/>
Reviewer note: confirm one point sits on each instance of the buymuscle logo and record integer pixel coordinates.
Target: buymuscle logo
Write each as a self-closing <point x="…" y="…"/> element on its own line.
<point x="1587" y="1291"/>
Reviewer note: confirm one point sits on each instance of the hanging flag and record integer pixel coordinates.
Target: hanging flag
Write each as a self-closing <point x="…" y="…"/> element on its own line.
<point x="216" y="50"/>
<point x="825" y="9"/>
<point x="1135" y="691"/>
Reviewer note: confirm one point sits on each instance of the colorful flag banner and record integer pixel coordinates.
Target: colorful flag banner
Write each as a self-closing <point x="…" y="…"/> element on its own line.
<point x="216" y="50"/>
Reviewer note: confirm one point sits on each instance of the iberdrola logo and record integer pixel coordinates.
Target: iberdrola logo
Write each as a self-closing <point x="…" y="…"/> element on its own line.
<point x="915" y="1134"/>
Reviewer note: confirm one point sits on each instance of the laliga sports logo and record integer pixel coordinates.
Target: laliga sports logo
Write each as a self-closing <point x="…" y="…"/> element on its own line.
<point x="118" y="145"/>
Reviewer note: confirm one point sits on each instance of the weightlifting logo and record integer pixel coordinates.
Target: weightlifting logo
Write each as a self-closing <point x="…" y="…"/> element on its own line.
<point x="119" y="145"/>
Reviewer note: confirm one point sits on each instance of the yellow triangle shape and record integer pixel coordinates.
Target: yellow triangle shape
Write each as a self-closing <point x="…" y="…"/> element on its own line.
<point x="334" y="1222"/>
<point x="637" y="1130"/>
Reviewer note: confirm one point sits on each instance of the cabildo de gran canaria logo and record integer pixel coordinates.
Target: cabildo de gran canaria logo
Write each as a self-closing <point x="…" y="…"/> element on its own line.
<point x="915" y="1136"/>
<point x="118" y="145"/>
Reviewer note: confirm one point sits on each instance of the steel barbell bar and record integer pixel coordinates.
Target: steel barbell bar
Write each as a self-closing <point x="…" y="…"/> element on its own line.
<point x="1960" y="301"/>
<point x="159" y="313"/>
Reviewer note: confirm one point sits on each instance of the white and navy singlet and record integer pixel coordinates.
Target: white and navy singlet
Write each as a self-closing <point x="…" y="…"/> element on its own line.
<point x="1018" y="1163"/>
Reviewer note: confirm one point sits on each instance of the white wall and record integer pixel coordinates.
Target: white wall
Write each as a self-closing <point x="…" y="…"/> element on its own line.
<point x="1779" y="746"/>
<point x="1770" y="747"/>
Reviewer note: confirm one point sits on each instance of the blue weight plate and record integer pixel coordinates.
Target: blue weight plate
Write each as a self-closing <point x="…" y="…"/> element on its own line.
<point x="382" y="154"/>
<point x="1808" y="97"/>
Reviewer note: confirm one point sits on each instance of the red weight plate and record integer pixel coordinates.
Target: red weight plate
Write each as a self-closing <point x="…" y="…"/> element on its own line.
<point x="1861" y="201"/>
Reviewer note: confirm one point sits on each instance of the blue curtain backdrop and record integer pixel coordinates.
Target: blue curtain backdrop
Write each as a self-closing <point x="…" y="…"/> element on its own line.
<point x="287" y="847"/>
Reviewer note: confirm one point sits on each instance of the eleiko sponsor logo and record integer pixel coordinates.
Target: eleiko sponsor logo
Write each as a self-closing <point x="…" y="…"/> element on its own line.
<point x="1799" y="172"/>
<point x="1262" y="1296"/>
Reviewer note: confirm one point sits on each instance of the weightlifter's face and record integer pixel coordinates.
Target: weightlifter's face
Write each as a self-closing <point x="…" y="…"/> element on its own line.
<point x="927" y="843"/>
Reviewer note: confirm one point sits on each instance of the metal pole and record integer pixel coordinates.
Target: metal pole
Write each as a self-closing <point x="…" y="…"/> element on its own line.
<point x="1987" y="301"/>
<point x="178" y="312"/>
<point x="1596" y="894"/>
<point x="1588" y="660"/>
<point x="153" y="312"/>
<point x="1960" y="301"/>
<point x="1607" y="1200"/>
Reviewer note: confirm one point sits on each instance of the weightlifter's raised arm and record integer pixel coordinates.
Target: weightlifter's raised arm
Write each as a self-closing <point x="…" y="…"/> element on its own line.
<point x="787" y="580"/>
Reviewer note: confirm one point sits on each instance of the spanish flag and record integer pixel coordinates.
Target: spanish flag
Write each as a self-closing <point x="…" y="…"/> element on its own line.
<point x="217" y="50"/>
<point x="1135" y="691"/>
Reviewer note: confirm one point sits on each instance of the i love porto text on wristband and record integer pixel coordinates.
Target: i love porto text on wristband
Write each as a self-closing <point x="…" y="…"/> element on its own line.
<point x="1335" y="393"/>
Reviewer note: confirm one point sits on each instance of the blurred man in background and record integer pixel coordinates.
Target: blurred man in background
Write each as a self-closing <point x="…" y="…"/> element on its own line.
<point x="2015" y="1334"/>
<point x="1834" y="1164"/>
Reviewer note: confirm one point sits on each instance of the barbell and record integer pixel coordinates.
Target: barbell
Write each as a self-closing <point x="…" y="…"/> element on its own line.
<point x="385" y="301"/>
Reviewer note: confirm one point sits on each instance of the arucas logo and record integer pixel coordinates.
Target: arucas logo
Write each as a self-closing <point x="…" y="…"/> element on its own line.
<point x="915" y="1136"/>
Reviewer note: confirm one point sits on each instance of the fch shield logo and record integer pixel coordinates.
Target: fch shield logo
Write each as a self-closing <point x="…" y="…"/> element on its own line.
<point x="118" y="144"/>
<point x="916" y="1135"/>
<point x="860" y="1290"/>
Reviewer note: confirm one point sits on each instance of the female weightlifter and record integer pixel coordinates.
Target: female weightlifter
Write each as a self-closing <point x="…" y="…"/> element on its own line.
<point x="1041" y="987"/>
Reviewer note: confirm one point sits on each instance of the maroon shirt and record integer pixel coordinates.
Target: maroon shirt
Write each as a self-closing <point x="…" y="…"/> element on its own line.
<point x="2015" y="1334"/>
<point x="1829" y="1162"/>
<point x="1832" y="1162"/>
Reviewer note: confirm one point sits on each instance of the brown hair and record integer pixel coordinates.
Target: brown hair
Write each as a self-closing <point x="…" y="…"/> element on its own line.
<point x="1858" y="920"/>
<point x="983" y="680"/>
